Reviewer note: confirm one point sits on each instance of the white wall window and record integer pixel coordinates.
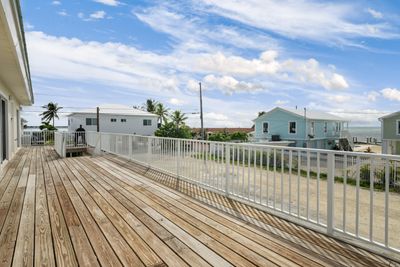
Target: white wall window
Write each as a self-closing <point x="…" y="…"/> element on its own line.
<point x="292" y="127"/>
<point x="398" y="127"/>
<point x="123" y="120"/>
<point x="91" y="121"/>
<point x="146" y="122"/>
<point x="325" y="127"/>
<point x="265" y="127"/>
<point x="113" y="120"/>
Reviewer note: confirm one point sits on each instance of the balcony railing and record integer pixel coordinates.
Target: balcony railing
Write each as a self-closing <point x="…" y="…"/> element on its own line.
<point x="349" y="195"/>
<point x="69" y="140"/>
<point x="37" y="138"/>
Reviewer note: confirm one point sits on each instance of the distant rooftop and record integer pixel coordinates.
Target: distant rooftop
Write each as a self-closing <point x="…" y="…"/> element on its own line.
<point x="115" y="109"/>
<point x="311" y="114"/>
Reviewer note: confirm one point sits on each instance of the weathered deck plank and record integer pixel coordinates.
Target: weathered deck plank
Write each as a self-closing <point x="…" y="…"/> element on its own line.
<point x="107" y="211"/>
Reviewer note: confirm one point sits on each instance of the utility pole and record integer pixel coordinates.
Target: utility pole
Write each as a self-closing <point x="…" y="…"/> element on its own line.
<point x="201" y="114"/>
<point x="98" y="118"/>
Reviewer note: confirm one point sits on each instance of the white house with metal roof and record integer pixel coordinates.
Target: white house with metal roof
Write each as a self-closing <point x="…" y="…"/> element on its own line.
<point x="303" y="128"/>
<point x="15" y="81"/>
<point x="114" y="119"/>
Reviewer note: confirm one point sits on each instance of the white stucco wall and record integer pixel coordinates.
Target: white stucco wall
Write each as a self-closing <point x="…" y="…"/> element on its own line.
<point x="133" y="124"/>
<point x="12" y="121"/>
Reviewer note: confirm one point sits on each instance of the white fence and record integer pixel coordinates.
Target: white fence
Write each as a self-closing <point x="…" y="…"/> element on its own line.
<point x="69" y="140"/>
<point x="352" y="196"/>
<point x="37" y="138"/>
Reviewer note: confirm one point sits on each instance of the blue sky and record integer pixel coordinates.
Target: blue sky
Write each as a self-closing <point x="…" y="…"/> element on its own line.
<point x="250" y="55"/>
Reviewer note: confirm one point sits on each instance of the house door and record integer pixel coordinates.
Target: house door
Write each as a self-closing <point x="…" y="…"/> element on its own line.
<point x="3" y="130"/>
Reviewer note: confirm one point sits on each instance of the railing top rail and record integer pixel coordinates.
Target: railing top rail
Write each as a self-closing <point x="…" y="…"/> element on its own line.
<point x="268" y="146"/>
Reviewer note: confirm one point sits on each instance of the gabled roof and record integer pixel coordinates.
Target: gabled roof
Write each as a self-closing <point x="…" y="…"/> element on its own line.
<point x="310" y="114"/>
<point x="115" y="109"/>
<point x="389" y="115"/>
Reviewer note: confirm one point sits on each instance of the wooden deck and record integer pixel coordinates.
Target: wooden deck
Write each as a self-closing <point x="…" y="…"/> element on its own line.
<point x="93" y="211"/>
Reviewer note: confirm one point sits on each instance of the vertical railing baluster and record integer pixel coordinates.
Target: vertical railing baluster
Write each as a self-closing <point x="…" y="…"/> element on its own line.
<point x="261" y="173"/>
<point x="282" y="171"/>
<point x="330" y="193"/>
<point x="358" y="166"/>
<point x="344" y="192"/>
<point x="274" y="182"/>
<point x="298" y="181"/>
<point x="387" y="180"/>
<point x="308" y="186"/>
<point x="371" y="200"/>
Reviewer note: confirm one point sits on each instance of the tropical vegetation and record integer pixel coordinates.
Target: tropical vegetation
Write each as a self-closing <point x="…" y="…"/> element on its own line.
<point x="50" y="114"/>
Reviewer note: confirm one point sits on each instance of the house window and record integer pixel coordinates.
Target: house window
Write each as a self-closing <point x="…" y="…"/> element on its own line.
<point x="113" y="120"/>
<point x="398" y="127"/>
<point x="265" y="127"/>
<point x="91" y="121"/>
<point x="147" y="122"/>
<point x="325" y="127"/>
<point x="292" y="127"/>
<point x="123" y="120"/>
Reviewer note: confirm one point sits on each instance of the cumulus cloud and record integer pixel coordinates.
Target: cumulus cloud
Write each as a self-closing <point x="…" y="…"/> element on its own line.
<point x="391" y="94"/>
<point x="56" y="3"/>
<point x="230" y="85"/>
<point x="108" y="2"/>
<point x="62" y="13"/>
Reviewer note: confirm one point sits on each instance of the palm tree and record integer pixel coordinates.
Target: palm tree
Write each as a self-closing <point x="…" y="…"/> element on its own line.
<point x="151" y="105"/>
<point x="178" y="118"/>
<point x="51" y="113"/>
<point x="162" y="112"/>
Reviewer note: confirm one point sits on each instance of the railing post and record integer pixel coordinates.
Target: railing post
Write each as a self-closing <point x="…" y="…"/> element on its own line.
<point x="330" y="193"/>
<point x="130" y="146"/>
<point x="227" y="163"/>
<point x="178" y="158"/>
<point x="64" y="146"/>
<point x="148" y="150"/>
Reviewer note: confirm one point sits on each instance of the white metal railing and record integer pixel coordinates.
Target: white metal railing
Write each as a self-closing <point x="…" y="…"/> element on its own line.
<point x="69" y="140"/>
<point x="349" y="195"/>
<point x="37" y="138"/>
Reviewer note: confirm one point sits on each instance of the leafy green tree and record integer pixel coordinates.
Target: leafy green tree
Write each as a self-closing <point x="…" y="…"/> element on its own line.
<point x="239" y="136"/>
<point x="169" y="129"/>
<point x="47" y="126"/>
<point x="151" y="105"/>
<point x="162" y="112"/>
<point x="178" y="118"/>
<point x="220" y="137"/>
<point x="51" y="112"/>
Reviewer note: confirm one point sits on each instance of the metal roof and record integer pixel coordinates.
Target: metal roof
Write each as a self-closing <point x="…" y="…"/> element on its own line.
<point x="115" y="109"/>
<point x="310" y="114"/>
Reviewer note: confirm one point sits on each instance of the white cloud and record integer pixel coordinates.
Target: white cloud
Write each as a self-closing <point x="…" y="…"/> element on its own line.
<point x="56" y="3"/>
<point x="98" y="15"/>
<point x="311" y="20"/>
<point x="195" y="34"/>
<point x="372" y="96"/>
<point x="340" y="98"/>
<point x="230" y="85"/>
<point x="391" y="94"/>
<point x="375" y="14"/>
<point x="62" y="13"/>
<point x="29" y="26"/>
<point x="176" y="102"/>
<point x="281" y="102"/>
<point x="108" y="2"/>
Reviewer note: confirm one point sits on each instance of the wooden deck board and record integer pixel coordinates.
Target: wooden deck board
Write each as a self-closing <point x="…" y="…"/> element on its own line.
<point x="92" y="211"/>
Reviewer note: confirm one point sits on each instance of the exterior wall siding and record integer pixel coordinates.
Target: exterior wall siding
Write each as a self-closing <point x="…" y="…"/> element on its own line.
<point x="279" y="125"/>
<point x="133" y="124"/>
<point x="389" y="128"/>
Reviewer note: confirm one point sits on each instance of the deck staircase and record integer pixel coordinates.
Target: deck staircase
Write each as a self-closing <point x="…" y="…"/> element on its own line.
<point x="346" y="141"/>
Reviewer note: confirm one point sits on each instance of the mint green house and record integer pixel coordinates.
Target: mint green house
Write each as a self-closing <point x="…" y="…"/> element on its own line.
<point x="390" y="125"/>
<point x="303" y="128"/>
